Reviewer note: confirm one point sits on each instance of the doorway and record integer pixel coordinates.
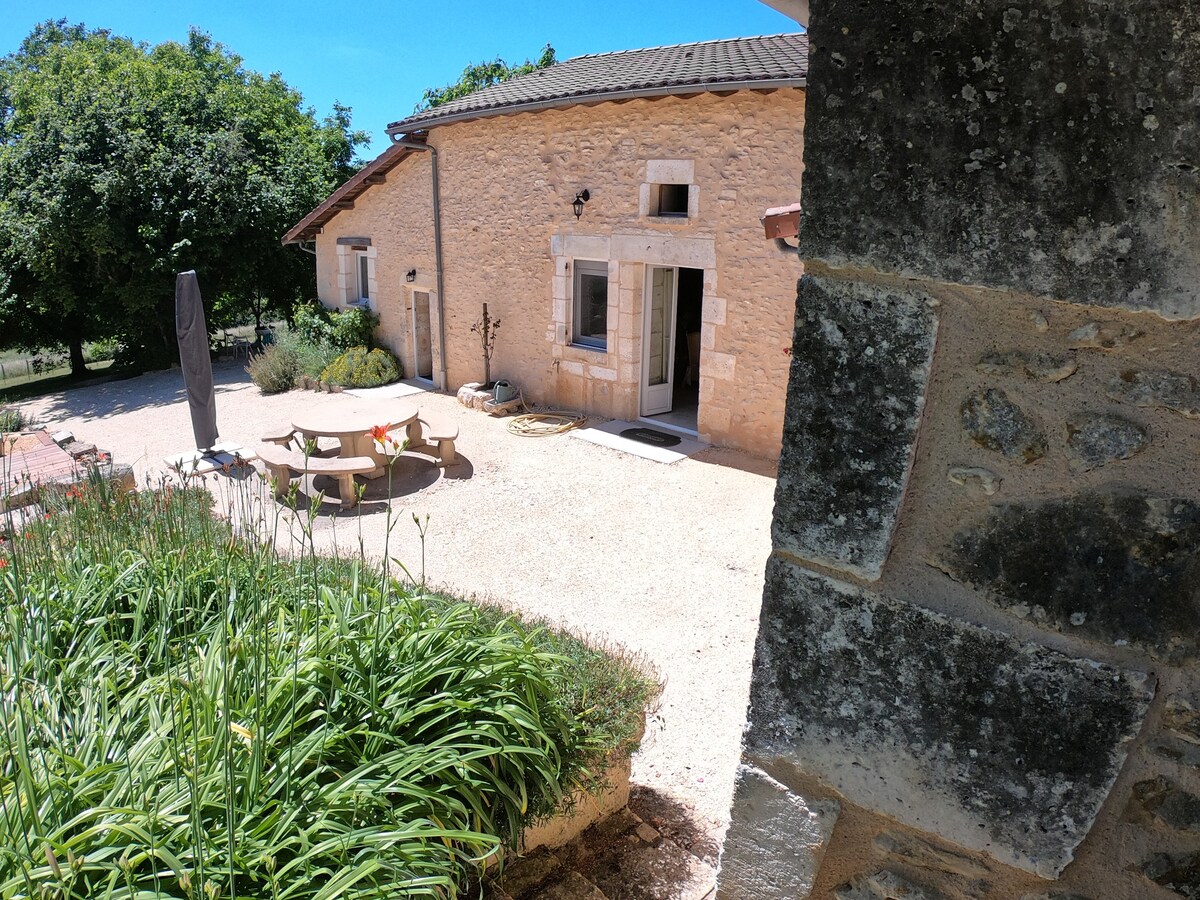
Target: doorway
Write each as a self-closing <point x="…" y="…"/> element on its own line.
<point x="422" y="336"/>
<point x="670" y="385"/>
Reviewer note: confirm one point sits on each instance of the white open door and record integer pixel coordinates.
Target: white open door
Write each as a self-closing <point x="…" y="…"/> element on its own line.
<point x="658" y="341"/>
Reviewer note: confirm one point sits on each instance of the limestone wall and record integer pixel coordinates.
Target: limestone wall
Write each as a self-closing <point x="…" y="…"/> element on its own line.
<point x="398" y="218"/>
<point x="976" y="672"/>
<point x="510" y="235"/>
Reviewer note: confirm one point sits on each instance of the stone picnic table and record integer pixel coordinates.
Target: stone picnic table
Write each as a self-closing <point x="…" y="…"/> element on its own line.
<point x="351" y="424"/>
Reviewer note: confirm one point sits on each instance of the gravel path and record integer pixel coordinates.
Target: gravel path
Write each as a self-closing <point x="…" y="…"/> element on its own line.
<point x="665" y="560"/>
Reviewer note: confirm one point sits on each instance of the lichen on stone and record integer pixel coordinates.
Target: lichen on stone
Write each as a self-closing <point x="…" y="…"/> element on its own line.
<point x="1158" y="388"/>
<point x="1096" y="440"/>
<point x="1120" y="568"/>
<point x="997" y="423"/>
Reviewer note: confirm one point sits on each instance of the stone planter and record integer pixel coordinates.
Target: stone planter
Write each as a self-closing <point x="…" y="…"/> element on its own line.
<point x="473" y="396"/>
<point x="585" y="810"/>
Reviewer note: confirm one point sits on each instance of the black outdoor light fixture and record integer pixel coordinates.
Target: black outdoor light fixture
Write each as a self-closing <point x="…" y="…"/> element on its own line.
<point x="410" y="275"/>
<point x="581" y="198"/>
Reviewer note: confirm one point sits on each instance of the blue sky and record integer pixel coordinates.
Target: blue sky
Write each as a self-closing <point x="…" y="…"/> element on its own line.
<point x="378" y="57"/>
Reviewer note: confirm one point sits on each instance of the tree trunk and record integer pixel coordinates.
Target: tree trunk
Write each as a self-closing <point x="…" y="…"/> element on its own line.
<point x="78" y="367"/>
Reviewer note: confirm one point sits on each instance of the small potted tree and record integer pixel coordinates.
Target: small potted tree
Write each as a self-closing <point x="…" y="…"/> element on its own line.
<point x="486" y="329"/>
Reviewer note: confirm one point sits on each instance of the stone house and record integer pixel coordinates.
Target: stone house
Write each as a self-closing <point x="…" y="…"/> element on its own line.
<point x="607" y="209"/>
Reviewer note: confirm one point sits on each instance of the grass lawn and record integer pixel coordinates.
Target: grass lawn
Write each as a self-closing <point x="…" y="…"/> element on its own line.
<point x="22" y="387"/>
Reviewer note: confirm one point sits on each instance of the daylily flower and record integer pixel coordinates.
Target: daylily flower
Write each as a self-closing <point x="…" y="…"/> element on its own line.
<point x="385" y="442"/>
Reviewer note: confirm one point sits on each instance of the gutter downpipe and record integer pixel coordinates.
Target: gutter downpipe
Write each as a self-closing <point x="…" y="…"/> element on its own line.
<point x="437" y="252"/>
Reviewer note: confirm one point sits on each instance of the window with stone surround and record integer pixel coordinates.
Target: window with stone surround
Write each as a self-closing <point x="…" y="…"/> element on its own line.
<point x="670" y="190"/>
<point x="589" y="318"/>
<point x="356" y="271"/>
<point x="362" y="270"/>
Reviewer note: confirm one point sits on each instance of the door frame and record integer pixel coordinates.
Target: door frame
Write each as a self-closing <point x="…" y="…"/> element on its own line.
<point x="413" y="331"/>
<point x="651" y="398"/>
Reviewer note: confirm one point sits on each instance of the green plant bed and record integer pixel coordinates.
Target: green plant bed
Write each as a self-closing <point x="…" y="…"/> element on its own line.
<point x="187" y="714"/>
<point x="362" y="369"/>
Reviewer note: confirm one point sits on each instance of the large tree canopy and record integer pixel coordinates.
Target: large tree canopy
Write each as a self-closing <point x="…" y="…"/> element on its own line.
<point x="481" y="75"/>
<point x="122" y="164"/>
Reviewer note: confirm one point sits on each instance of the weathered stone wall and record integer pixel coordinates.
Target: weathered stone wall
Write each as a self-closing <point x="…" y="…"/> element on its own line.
<point x="977" y="667"/>
<point x="398" y="218"/>
<point x="509" y="235"/>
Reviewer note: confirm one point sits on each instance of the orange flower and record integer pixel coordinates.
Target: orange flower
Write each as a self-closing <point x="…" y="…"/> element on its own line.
<point x="379" y="433"/>
<point x="3" y="563"/>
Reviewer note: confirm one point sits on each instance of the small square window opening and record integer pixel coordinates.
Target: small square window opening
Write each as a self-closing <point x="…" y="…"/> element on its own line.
<point x="672" y="200"/>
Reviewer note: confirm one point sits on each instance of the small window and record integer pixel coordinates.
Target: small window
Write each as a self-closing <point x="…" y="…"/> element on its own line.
<point x="672" y="200"/>
<point x="362" y="267"/>
<point x="591" y="305"/>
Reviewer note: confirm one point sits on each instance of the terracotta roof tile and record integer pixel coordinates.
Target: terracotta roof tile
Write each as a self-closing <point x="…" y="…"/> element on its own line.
<point x="770" y="60"/>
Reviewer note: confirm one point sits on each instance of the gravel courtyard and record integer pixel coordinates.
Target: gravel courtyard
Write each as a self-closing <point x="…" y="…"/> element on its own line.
<point x="665" y="560"/>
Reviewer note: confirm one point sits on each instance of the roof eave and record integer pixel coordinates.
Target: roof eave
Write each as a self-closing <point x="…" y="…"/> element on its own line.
<point x="308" y="227"/>
<point x="422" y="123"/>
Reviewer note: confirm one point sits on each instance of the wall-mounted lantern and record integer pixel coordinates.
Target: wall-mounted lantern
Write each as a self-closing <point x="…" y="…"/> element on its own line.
<point x="410" y="276"/>
<point x="581" y="198"/>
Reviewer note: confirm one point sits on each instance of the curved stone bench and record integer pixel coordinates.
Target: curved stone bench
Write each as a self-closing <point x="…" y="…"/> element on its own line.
<point x="282" y="462"/>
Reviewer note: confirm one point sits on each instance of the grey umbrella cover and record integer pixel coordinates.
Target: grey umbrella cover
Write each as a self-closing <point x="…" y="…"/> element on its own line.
<point x="194" y="359"/>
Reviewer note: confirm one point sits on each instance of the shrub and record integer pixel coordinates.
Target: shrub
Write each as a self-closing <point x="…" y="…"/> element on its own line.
<point x="353" y="327"/>
<point x="275" y="369"/>
<point x="99" y="351"/>
<point x="10" y="419"/>
<point x="311" y="359"/>
<point x="340" y="329"/>
<point x="358" y="368"/>
<point x="187" y="714"/>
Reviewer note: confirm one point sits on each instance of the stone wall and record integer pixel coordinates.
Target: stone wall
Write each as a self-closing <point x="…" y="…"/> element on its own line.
<point x="509" y="236"/>
<point x="976" y="672"/>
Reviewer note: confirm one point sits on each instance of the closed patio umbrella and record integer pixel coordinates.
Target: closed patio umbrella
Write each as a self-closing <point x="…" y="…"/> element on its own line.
<point x="194" y="358"/>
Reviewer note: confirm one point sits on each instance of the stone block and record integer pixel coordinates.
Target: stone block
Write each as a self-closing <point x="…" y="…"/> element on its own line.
<point x="1178" y="872"/>
<point x="1097" y="336"/>
<point x="714" y="311"/>
<point x="1182" y="718"/>
<point x="1052" y="159"/>
<point x="884" y="885"/>
<point x="721" y="366"/>
<point x="573" y="886"/>
<point x="1044" y="367"/>
<point x="998" y="746"/>
<point x="526" y="874"/>
<point x="671" y="171"/>
<point x="922" y="854"/>
<point x="1096" y="440"/>
<point x="1116" y="568"/>
<point x="997" y="423"/>
<point x="775" y="841"/>
<point x="860" y="363"/>
<point x="665" y="871"/>
<point x="989" y="482"/>
<point x="1158" y="389"/>
<point x="1161" y="800"/>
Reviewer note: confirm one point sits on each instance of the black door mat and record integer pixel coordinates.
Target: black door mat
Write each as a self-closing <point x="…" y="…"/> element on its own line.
<point x="650" y="436"/>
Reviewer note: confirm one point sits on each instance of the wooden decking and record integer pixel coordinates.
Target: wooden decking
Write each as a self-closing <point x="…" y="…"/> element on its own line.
<point x="34" y="458"/>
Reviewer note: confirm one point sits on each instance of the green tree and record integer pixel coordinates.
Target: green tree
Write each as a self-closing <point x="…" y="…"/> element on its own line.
<point x="481" y="75"/>
<point x="122" y="164"/>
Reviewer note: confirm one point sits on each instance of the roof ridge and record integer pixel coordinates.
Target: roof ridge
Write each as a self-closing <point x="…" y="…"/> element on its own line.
<point x="726" y="40"/>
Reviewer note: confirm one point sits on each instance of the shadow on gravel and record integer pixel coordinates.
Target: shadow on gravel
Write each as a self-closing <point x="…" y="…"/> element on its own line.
<point x="411" y="474"/>
<point x="147" y="391"/>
